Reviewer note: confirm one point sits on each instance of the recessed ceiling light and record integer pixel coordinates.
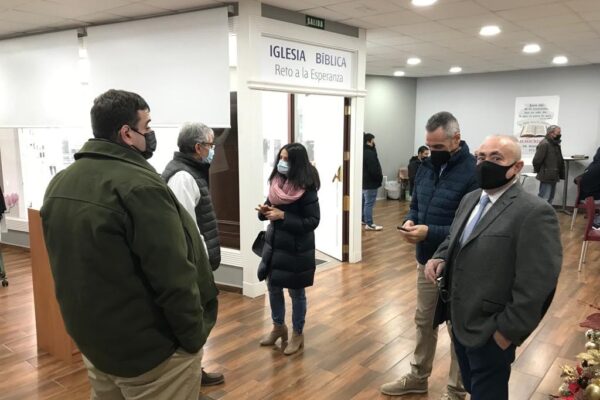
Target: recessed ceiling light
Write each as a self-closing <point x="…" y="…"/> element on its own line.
<point x="455" y="70"/>
<point x="398" y="73"/>
<point x="490" y="30"/>
<point x="531" y="48"/>
<point x="560" y="60"/>
<point x="423" y="3"/>
<point x="413" y="61"/>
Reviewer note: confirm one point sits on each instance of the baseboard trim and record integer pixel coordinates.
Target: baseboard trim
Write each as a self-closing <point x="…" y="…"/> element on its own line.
<point x="229" y="288"/>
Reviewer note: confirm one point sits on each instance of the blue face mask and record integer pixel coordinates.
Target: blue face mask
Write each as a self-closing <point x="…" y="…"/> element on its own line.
<point x="283" y="167"/>
<point x="210" y="156"/>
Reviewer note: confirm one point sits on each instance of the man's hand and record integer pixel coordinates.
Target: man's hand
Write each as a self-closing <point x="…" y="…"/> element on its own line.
<point x="414" y="233"/>
<point x="434" y="268"/>
<point x="501" y="341"/>
<point x="273" y="214"/>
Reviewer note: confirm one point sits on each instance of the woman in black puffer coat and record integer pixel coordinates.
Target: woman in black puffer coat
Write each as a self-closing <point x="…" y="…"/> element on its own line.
<point x="289" y="251"/>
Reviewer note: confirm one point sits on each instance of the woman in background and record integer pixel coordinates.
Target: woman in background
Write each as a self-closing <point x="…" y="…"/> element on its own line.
<point x="289" y="257"/>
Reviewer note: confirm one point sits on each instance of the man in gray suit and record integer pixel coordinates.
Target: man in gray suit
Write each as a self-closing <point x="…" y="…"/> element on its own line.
<point x="497" y="269"/>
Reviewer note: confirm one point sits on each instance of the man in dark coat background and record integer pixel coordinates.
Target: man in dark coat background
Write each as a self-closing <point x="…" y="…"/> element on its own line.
<point x="372" y="177"/>
<point x="413" y="165"/>
<point x="548" y="163"/>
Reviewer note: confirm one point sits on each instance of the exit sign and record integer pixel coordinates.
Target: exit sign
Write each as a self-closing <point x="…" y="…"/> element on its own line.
<point x="315" y="22"/>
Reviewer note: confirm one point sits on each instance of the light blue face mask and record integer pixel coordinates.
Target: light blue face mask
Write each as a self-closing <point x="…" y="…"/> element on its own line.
<point x="210" y="156"/>
<point x="283" y="167"/>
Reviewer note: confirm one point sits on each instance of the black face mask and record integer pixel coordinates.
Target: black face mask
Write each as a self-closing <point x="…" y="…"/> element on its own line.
<point x="440" y="157"/>
<point x="150" y="138"/>
<point x="557" y="138"/>
<point x="491" y="175"/>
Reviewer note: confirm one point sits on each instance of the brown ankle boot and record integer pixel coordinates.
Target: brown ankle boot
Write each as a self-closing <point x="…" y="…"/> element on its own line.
<point x="279" y="331"/>
<point x="295" y="344"/>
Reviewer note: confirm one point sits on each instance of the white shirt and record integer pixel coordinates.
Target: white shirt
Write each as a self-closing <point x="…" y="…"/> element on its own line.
<point x="186" y="190"/>
<point x="493" y="199"/>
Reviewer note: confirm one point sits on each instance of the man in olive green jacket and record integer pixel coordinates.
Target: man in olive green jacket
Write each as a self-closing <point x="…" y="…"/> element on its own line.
<point x="133" y="280"/>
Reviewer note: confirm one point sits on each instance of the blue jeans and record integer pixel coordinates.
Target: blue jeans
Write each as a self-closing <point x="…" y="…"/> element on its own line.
<point x="278" y="306"/>
<point x="547" y="190"/>
<point x="368" y="201"/>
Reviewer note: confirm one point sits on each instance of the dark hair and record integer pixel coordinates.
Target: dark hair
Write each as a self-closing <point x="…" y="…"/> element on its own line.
<point x="422" y="149"/>
<point x="444" y="119"/>
<point x="112" y="110"/>
<point x="301" y="172"/>
<point x="368" y="137"/>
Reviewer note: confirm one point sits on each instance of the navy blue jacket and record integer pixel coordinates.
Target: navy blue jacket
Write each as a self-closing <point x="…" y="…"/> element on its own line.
<point x="436" y="197"/>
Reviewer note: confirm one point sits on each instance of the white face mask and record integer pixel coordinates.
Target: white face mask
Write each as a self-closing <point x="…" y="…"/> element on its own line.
<point x="283" y="167"/>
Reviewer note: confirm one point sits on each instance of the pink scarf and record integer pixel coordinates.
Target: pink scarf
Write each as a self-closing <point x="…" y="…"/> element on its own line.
<point x="283" y="192"/>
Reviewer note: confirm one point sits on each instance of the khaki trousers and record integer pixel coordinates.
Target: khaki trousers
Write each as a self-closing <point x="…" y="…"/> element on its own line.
<point x="178" y="377"/>
<point x="422" y="363"/>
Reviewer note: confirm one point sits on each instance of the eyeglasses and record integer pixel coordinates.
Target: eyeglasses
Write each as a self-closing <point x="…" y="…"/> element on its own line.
<point x="210" y="145"/>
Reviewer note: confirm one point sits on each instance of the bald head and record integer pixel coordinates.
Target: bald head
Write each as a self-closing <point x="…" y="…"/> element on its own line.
<point x="500" y="147"/>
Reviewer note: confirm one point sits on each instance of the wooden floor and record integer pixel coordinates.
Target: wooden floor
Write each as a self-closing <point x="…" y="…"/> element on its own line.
<point x="359" y="331"/>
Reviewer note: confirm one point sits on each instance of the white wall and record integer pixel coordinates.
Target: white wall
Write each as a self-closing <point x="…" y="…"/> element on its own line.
<point x="390" y="116"/>
<point x="485" y="104"/>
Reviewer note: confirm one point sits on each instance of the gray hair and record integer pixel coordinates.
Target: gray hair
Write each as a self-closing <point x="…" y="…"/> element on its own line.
<point x="190" y="134"/>
<point x="444" y="119"/>
<point x="515" y="144"/>
<point x="551" y="129"/>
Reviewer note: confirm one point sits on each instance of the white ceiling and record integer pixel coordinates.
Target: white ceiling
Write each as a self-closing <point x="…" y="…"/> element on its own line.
<point x="443" y="35"/>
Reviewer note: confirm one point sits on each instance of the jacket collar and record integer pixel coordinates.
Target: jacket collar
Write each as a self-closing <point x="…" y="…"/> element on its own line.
<point x="490" y="216"/>
<point x="194" y="163"/>
<point x="109" y="149"/>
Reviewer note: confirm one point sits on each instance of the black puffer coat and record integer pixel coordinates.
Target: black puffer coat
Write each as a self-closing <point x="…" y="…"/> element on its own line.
<point x="290" y="243"/>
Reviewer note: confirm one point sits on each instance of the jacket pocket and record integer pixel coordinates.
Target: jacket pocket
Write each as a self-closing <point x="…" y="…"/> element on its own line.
<point x="491" y="307"/>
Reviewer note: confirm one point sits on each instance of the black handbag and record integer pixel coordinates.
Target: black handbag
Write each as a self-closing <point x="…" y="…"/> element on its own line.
<point x="259" y="244"/>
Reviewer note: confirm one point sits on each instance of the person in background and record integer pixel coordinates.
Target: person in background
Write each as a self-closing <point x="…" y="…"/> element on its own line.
<point x="497" y="270"/>
<point x="414" y="164"/>
<point x="132" y="279"/>
<point x="372" y="178"/>
<point x="442" y="181"/>
<point x="187" y="177"/>
<point x="548" y="163"/>
<point x="292" y="207"/>
<point x="590" y="184"/>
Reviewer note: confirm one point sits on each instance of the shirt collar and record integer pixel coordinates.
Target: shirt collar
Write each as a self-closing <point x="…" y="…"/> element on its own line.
<point x="494" y="197"/>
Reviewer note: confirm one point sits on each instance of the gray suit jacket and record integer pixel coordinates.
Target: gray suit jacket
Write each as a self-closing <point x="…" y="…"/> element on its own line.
<point x="504" y="276"/>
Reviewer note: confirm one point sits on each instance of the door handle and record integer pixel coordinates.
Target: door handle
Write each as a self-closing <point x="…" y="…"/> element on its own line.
<point x="338" y="175"/>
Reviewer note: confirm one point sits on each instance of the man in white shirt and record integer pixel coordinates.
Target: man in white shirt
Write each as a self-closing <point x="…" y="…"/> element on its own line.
<point x="187" y="175"/>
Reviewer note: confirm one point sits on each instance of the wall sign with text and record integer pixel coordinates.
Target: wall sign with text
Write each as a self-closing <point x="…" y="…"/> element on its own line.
<point x="294" y="63"/>
<point x="533" y="115"/>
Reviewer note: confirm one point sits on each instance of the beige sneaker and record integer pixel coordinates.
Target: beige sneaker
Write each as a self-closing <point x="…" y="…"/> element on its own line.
<point x="452" y="396"/>
<point x="405" y="385"/>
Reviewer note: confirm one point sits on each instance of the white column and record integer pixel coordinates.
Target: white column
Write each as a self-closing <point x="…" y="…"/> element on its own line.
<point x="356" y="155"/>
<point x="249" y="147"/>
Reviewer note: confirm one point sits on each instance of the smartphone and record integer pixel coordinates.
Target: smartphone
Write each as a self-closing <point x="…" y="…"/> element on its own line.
<point x="400" y="228"/>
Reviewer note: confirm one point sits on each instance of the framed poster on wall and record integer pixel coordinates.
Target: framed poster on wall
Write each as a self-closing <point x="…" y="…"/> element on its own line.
<point x="533" y="115"/>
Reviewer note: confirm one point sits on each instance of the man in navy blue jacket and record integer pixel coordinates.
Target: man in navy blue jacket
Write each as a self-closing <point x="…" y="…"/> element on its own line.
<point x="441" y="182"/>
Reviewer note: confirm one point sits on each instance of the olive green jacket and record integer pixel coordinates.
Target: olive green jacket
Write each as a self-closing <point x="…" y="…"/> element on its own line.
<point x="131" y="275"/>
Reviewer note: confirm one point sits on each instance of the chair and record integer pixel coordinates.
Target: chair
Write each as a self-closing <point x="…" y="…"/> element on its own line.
<point x="578" y="204"/>
<point x="403" y="180"/>
<point x="590" y="234"/>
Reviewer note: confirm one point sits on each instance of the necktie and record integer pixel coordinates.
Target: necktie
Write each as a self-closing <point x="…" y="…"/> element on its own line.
<point x="483" y="202"/>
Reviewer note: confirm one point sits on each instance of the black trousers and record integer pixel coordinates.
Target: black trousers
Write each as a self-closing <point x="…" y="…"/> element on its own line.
<point x="485" y="370"/>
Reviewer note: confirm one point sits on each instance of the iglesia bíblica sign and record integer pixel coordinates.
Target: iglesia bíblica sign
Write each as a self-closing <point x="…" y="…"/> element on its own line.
<point x="295" y="63"/>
